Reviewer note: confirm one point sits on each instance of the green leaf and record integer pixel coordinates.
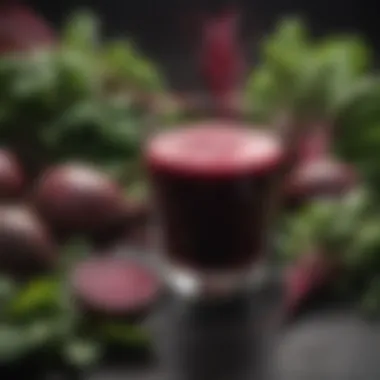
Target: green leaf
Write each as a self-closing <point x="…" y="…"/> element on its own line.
<point x="14" y="343"/>
<point x="79" y="76"/>
<point x="349" y="54"/>
<point x="82" y="353"/>
<point x="262" y="93"/>
<point x="8" y="289"/>
<point x="346" y="59"/>
<point x="286" y="47"/>
<point x="38" y="295"/>
<point x="123" y="61"/>
<point x="125" y="334"/>
<point x="308" y="78"/>
<point x="41" y="332"/>
<point x="81" y="31"/>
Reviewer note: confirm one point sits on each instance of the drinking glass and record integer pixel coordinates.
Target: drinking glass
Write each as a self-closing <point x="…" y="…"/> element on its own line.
<point x="210" y="183"/>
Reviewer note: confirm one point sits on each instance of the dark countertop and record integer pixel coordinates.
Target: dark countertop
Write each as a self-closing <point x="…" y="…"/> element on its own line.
<point x="245" y="340"/>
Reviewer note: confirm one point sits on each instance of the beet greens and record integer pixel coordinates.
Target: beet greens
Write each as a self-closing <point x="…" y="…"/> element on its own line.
<point x="345" y="234"/>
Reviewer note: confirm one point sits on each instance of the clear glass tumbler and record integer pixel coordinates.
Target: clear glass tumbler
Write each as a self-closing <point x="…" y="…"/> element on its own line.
<point x="210" y="184"/>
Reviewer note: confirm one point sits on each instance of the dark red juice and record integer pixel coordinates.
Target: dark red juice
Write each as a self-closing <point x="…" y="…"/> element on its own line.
<point x="211" y="183"/>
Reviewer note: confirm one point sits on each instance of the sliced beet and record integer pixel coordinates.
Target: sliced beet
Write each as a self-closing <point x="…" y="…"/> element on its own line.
<point x="25" y="244"/>
<point x="78" y="199"/>
<point x="12" y="178"/>
<point x="306" y="278"/>
<point x="114" y="287"/>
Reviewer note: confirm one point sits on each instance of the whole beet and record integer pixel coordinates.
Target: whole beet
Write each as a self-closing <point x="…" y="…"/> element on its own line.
<point x="25" y="244"/>
<point x="321" y="177"/>
<point x="78" y="199"/>
<point x="317" y="173"/>
<point x="21" y="29"/>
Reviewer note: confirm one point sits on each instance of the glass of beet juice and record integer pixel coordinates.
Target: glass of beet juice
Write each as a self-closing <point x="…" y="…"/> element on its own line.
<point x="210" y="185"/>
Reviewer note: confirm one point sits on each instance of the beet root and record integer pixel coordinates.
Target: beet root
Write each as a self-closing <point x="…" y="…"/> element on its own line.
<point x="25" y="244"/>
<point x="323" y="177"/>
<point x="78" y="199"/>
<point x="115" y="288"/>
<point x="12" y="178"/>
<point x="307" y="277"/>
<point x="22" y="29"/>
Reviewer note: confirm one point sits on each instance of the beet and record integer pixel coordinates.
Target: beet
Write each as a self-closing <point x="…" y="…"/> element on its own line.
<point x="78" y="199"/>
<point x="12" y="178"/>
<point x="114" y="287"/>
<point x="322" y="177"/>
<point x="307" y="277"/>
<point x="25" y="244"/>
<point x="21" y="29"/>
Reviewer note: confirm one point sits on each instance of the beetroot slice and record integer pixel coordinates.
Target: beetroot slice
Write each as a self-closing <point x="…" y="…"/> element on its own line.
<point x="114" y="287"/>
<point x="310" y="274"/>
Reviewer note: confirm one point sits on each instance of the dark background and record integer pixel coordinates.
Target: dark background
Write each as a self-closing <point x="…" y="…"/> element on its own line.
<point x="165" y="28"/>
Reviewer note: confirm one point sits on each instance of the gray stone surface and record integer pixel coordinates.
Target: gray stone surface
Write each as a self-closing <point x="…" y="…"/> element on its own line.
<point x="240" y="341"/>
<point x="245" y="339"/>
<point x="333" y="345"/>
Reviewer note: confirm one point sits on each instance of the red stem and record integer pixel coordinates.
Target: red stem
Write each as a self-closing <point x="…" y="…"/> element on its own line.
<point x="222" y="60"/>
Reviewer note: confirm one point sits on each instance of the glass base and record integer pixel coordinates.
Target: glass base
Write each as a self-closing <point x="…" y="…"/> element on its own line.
<point x="201" y="285"/>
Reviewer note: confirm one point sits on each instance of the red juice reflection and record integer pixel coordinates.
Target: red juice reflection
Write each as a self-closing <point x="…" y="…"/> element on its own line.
<point x="211" y="183"/>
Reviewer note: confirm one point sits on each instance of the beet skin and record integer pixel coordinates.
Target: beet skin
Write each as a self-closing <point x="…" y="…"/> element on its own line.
<point x="25" y="245"/>
<point x="321" y="177"/>
<point x="78" y="199"/>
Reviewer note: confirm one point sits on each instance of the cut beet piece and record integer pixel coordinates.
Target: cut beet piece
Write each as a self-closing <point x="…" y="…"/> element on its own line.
<point x="25" y="245"/>
<point x="78" y="199"/>
<point x="12" y="179"/>
<point x="114" y="287"/>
